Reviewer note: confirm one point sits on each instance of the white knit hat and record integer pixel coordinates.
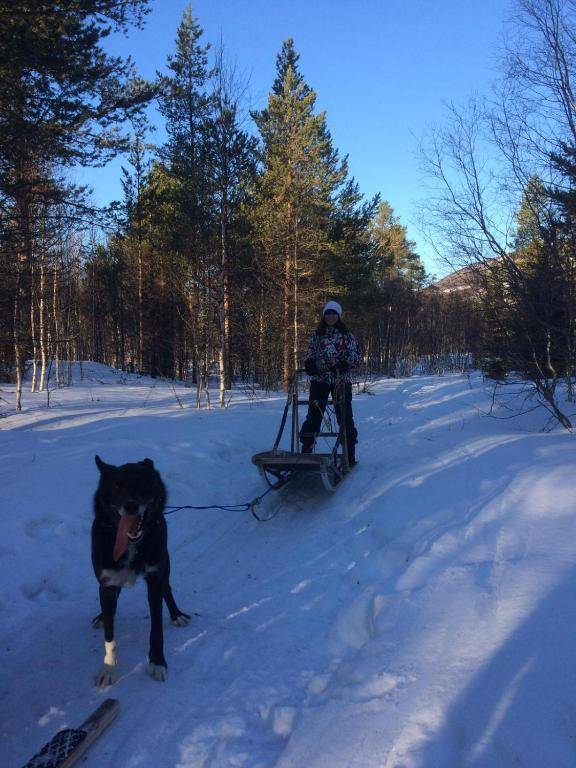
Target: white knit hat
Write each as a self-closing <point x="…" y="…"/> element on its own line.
<point x="332" y="305"/>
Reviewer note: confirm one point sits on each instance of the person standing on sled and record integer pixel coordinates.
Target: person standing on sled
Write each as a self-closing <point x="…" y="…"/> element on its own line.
<point x="332" y="353"/>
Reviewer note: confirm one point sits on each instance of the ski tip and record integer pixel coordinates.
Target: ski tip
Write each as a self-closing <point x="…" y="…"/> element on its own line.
<point x="105" y="713"/>
<point x="68" y="746"/>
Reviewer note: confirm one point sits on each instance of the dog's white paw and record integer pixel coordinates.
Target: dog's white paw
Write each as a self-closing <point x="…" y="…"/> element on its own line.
<point x="182" y="620"/>
<point x="158" y="672"/>
<point x="105" y="676"/>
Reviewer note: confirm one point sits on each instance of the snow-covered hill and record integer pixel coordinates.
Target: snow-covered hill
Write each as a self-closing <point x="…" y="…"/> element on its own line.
<point x="423" y="616"/>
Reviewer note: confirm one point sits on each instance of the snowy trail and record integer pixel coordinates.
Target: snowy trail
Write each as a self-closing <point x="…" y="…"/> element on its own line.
<point x="421" y="616"/>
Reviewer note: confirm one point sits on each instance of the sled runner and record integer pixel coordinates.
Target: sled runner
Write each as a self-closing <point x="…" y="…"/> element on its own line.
<point x="277" y="466"/>
<point x="69" y="745"/>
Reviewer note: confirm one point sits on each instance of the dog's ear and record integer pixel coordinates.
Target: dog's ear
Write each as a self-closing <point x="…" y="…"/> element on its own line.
<point x="148" y="463"/>
<point x="102" y="466"/>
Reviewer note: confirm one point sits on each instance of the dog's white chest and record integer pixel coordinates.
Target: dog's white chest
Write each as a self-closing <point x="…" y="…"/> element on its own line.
<point x="125" y="577"/>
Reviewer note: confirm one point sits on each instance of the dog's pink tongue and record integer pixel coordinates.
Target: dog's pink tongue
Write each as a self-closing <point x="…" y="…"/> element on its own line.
<point x="128" y="524"/>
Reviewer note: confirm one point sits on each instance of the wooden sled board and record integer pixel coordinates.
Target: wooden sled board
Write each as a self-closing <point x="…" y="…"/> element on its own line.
<point x="69" y="745"/>
<point x="286" y="461"/>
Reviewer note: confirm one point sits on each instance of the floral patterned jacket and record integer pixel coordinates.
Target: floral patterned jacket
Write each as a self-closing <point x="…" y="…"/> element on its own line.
<point x="333" y="347"/>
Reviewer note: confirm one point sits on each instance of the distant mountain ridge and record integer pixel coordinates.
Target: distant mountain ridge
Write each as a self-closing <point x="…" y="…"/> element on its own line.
<point x="469" y="278"/>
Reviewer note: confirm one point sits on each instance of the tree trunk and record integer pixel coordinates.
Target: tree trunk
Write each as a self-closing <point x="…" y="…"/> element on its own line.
<point x="42" y="322"/>
<point x="57" y="327"/>
<point x="387" y="342"/>
<point x="33" y="297"/>
<point x="286" y="318"/>
<point x="262" y="372"/>
<point x="22" y="293"/>
<point x="207" y="340"/>
<point x="19" y="302"/>
<point x="140" y="306"/>
<point x="224" y="362"/>
<point x="296" y="299"/>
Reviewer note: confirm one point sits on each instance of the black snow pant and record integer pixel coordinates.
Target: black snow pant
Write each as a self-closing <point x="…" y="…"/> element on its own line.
<point x="319" y="394"/>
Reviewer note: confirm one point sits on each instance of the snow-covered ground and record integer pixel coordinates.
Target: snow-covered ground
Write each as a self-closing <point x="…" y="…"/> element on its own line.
<point x="423" y="616"/>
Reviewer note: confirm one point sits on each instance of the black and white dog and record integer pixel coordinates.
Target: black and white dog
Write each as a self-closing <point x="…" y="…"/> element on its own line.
<point x="129" y="539"/>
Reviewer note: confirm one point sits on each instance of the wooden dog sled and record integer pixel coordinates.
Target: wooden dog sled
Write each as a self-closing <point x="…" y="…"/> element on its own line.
<point x="279" y="465"/>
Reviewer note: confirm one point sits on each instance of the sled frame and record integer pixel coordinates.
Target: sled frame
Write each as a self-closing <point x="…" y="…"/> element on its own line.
<point x="277" y="466"/>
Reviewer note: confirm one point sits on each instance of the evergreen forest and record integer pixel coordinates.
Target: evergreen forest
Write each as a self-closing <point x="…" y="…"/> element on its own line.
<point x="237" y="226"/>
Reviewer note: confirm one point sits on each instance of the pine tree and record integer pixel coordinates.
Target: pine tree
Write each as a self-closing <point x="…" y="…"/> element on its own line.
<point x="232" y="155"/>
<point x="134" y="186"/>
<point x="62" y="99"/>
<point x="397" y="276"/>
<point x="397" y="258"/>
<point x="187" y="107"/>
<point x="296" y="196"/>
<point x="528" y="300"/>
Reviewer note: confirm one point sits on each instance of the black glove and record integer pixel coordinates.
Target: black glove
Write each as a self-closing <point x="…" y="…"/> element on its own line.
<point x="341" y="367"/>
<point x="311" y="368"/>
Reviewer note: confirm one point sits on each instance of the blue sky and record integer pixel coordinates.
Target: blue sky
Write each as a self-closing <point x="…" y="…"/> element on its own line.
<point x="382" y="69"/>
